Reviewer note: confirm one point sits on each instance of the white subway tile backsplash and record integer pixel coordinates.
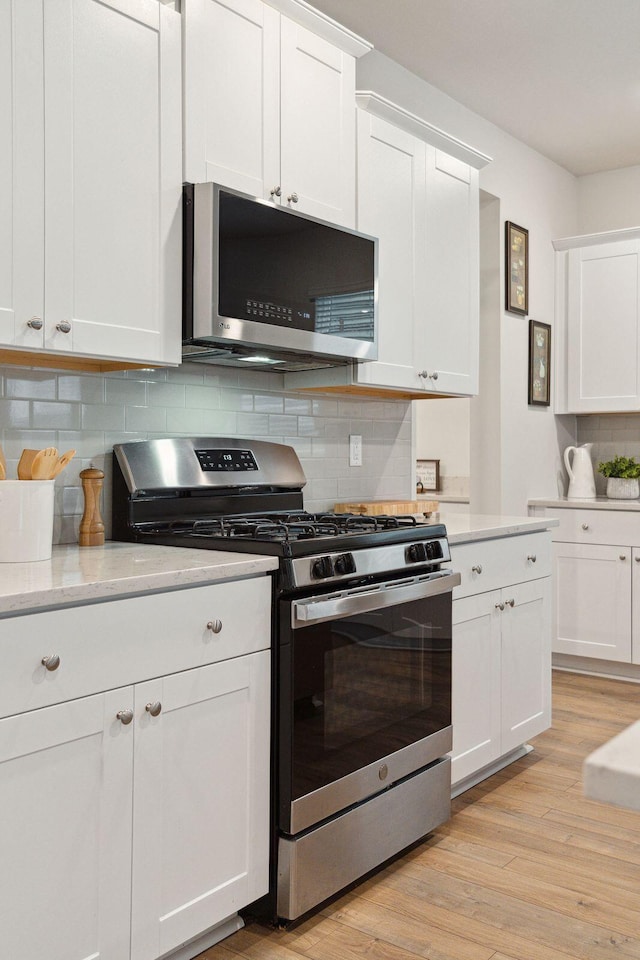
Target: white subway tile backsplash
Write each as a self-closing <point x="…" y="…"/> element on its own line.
<point x="91" y="412"/>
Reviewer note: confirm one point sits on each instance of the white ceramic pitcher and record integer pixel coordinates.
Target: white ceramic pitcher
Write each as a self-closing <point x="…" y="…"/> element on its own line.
<point x="582" y="484"/>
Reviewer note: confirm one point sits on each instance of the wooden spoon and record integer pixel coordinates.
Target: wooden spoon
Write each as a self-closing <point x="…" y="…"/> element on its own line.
<point x="24" y="464"/>
<point x="62" y="462"/>
<point x="44" y="463"/>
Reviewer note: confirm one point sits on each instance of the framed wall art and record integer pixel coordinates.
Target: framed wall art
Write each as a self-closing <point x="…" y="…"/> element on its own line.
<point x="428" y="474"/>
<point x="539" y="363"/>
<point x="516" y="245"/>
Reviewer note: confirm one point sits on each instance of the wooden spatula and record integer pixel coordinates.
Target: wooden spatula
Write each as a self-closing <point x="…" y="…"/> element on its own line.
<point x="63" y="461"/>
<point x="44" y="463"/>
<point x="24" y="464"/>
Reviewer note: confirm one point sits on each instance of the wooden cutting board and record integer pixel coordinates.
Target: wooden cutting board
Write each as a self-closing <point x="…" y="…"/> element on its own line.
<point x="373" y="508"/>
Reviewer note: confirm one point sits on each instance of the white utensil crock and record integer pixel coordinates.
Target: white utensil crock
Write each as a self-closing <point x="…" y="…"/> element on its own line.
<point x="26" y="520"/>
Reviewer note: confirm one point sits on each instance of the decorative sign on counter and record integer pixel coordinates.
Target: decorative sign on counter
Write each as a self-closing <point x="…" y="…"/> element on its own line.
<point x="427" y="475"/>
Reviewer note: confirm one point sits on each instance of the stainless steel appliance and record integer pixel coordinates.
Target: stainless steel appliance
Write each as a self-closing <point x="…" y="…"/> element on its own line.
<point x="266" y="285"/>
<point x="362" y="650"/>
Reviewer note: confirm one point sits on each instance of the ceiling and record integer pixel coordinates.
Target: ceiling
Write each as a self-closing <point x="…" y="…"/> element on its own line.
<point x="561" y="75"/>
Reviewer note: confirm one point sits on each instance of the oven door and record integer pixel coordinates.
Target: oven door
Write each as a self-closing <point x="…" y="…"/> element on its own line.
<point x="364" y="693"/>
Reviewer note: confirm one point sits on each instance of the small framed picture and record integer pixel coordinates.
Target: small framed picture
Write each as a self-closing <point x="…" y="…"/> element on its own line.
<point x="539" y="363"/>
<point x="428" y="474"/>
<point x="516" y="245"/>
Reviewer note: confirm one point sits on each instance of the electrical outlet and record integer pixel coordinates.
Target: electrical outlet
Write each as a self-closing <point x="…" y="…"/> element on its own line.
<point x="355" y="450"/>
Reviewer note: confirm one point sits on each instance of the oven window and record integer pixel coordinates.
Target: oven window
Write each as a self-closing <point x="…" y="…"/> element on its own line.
<point x="366" y="686"/>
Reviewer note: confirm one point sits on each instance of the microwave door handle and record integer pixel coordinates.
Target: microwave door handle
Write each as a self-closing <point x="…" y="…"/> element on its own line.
<point x="304" y="612"/>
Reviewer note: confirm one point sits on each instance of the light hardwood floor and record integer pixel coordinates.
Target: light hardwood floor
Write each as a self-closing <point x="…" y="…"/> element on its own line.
<point x="526" y="869"/>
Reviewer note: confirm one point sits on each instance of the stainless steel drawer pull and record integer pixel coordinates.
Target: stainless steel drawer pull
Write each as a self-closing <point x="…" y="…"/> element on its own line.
<point x="637" y="559"/>
<point x="511" y="603"/>
<point x="276" y="191"/>
<point x="154" y="708"/>
<point x="532" y="557"/>
<point x="623" y="556"/>
<point x="499" y="606"/>
<point x="477" y="568"/>
<point x="35" y="323"/>
<point x="124" y="716"/>
<point x="585" y="526"/>
<point x="215" y="626"/>
<point x="64" y="326"/>
<point x="293" y="198"/>
<point x="51" y="662"/>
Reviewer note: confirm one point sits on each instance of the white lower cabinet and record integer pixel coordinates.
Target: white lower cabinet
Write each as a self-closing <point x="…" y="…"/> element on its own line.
<point x="134" y="820"/>
<point x="501" y="651"/>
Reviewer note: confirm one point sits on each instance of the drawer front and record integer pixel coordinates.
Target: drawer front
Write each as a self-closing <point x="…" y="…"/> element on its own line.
<point x="106" y="645"/>
<point x="492" y="564"/>
<point x="597" y="526"/>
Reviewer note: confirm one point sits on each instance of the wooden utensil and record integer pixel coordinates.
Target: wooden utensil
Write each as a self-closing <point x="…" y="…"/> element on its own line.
<point x="44" y="463"/>
<point x="3" y="465"/>
<point x="62" y="462"/>
<point x="91" y="531"/>
<point x="24" y="464"/>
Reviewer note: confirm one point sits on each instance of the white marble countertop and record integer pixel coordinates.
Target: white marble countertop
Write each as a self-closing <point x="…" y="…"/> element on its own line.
<point x="612" y="772"/>
<point x="84" y="574"/>
<point x="598" y="503"/>
<point x="468" y="528"/>
<point x="442" y="497"/>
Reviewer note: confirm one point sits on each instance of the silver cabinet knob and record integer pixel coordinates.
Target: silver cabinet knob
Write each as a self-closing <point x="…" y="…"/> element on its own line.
<point x="499" y="606"/>
<point x="64" y="326"/>
<point x="637" y="559"/>
<point x="293" y="198"/>
<point x="52" y="662"/>
<point x="215" y="626"/>
<point x="477" y="568"/>
<point x="510" y="603"/>
<point x="276" y="191"/>
<point x="154" y="708"/>
<point x="425" y="375"/>
<point x="532" y="558"/>
<point x="623" y="556"/>
<point x="125" y="717"/>
<point x="585" y="526"/>
<point x="434" y="375"/>
<point x="35" y="323"/>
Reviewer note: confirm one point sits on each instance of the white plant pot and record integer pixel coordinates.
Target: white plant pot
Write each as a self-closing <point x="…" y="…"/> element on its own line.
<point x="622" y="488"/>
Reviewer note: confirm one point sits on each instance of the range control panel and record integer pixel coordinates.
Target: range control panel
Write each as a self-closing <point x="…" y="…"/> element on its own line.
<point x="215" y="461"/>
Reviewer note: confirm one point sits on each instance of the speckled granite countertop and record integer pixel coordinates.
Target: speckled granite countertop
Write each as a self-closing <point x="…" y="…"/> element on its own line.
<point x="462" y="528"/>
<point x="85" y="574"/>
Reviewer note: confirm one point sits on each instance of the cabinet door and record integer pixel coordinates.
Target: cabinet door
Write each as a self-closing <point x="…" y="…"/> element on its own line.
<point x="603" y="349"/>
<point x="447" y="337"/>
<point x="112" y="179"/>
<point x="317" y="137"/>
<point x="391" y="206"/>
<point x="201" y="801"/>
<point x="592" y="601"/>
<point x="65" y="828"/>
<point x="232" y="94"/>
<point x="526" y="662"/>
<point x="475" y="703"/>
<point x="21" y="173"/>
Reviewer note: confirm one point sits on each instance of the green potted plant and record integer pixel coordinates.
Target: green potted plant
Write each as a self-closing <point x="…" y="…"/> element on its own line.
<point x="622" y="475"/>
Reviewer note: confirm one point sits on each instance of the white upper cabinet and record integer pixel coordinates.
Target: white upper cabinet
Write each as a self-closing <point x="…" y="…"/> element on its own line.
<point x="418" y="193"/>
<point x="598" y="283"/>
<point x="269" y="104"/>
<point x="95" y="183"/>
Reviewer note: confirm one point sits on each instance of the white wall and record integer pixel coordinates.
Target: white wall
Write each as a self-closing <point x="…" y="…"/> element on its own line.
<point x="609" y="200"/>
<point x="541" y="196"/>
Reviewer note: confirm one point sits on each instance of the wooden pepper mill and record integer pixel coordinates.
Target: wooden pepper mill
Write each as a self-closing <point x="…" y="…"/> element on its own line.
<point x="91" y="532"/>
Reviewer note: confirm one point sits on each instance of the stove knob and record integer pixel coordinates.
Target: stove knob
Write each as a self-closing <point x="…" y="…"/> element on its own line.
<point x="345" y="563"/>
<point x="322" y="568"/>
<point x="416" y="553"/>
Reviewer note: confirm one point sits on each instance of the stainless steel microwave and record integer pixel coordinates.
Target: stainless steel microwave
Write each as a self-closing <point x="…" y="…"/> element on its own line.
<point x="267" y="286"/>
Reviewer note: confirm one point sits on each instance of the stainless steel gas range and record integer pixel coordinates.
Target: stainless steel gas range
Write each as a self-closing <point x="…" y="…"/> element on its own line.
<point x="361" y="650"/>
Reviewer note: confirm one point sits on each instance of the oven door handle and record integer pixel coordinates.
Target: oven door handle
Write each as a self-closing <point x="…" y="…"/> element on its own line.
<point x="304" y="612"/>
